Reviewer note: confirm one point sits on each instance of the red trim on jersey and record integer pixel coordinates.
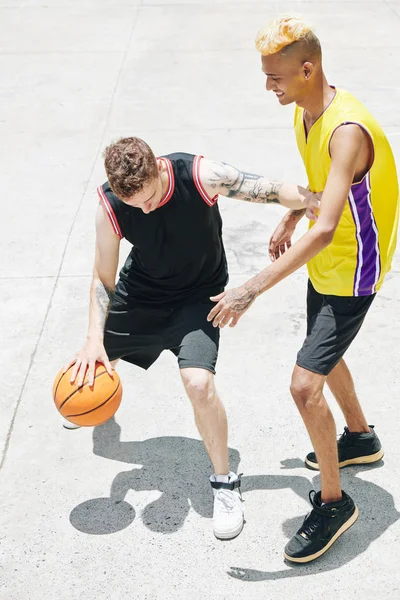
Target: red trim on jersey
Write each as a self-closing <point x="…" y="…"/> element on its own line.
<point x="171" y="182"/>
<point x="109" y="210"/>
<point x="197" y="181"/>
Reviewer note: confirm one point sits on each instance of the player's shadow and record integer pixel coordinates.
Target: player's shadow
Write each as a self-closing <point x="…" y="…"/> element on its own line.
<point x="175" y="467"/>
<point x="377" y="514"/>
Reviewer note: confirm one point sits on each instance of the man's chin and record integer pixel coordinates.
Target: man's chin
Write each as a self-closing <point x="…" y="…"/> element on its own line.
<point x="283" y="100"/>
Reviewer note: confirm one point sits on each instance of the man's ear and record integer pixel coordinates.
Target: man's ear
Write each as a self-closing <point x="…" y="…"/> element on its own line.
<point x="308" y="69"/>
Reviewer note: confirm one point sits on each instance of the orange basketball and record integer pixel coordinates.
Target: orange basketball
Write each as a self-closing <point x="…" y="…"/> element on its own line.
<point x="84" y="405"/>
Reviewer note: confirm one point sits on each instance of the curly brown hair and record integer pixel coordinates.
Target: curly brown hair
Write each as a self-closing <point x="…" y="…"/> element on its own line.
<point x="130" y="164"/>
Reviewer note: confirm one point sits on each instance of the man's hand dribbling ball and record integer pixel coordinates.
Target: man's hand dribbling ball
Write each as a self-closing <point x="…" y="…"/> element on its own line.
<point x="87" y="405"/>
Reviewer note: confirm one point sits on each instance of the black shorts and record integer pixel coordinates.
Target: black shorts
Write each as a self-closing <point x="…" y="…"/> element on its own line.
<point x="140" y="334"/>
<point x="332" y="324"/>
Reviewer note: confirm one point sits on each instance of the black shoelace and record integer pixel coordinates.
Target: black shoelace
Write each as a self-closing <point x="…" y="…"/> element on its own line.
<point x="345" y="439"/>
<point x="311" y="524"/>
<point x="314" y="519"/>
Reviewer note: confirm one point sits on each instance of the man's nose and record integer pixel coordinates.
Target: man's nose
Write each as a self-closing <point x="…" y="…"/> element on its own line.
<point x="269" y="84"/>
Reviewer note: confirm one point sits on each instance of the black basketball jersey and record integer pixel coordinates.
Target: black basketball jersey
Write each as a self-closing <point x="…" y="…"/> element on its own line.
<point x="177" y="256"/>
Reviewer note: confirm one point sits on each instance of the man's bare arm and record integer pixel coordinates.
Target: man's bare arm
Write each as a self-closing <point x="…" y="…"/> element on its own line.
<point x="345" y="147"/>
<point x="104" y="274"/>
<point x="296" y="215"/>
<point x="101" y="295"/>
<point x="226" y="180"/>
<point x="281" y="239"/>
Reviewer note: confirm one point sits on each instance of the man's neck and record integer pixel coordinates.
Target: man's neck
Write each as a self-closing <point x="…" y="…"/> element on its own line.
<point x="164" y="177"/>
<point x="318" y="100"/>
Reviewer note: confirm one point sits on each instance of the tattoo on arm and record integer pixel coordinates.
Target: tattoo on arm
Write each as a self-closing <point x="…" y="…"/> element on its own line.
<point x="297" y="214"/>
<point x="242" y="185"/>
<point x="104" y="297"/>
<point x="241" y="301"/>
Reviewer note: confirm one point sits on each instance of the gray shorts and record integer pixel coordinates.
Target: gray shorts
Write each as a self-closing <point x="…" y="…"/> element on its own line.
<point x="140" y="334"/>
<point x="332" y="324"/>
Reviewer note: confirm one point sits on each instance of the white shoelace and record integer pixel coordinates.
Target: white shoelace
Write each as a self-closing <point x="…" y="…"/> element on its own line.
<point x="226" y="501"/>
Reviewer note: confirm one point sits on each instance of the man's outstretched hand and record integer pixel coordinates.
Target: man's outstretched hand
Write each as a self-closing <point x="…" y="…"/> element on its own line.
<point x="231" y="305"/>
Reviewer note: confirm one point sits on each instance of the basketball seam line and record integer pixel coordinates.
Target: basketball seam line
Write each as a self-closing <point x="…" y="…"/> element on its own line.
<point x="77" y="390"/>
<point x="96" y="407"/>
<point x="58" y="383"/>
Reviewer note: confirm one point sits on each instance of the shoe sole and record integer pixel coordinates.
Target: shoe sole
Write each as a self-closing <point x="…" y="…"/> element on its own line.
<point x="344" y="527"/>
<point x="228" y="535"/>
<point x="360" y="460"/>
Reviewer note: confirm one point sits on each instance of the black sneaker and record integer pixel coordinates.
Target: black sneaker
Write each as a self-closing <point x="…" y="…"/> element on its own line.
<point x="353" y="449"/>
<point x="321" y="528"/>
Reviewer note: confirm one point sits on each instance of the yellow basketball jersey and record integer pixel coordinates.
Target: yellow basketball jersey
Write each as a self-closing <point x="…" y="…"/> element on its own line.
<point x="360" y="255"/>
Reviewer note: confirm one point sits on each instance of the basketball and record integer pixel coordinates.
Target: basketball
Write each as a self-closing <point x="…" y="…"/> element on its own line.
<point x="84" y="405"/>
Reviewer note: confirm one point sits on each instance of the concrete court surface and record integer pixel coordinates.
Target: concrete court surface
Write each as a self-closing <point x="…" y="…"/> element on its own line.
<point x="124" y="511"/>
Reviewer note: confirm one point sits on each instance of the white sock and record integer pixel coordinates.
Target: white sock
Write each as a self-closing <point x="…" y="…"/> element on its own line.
<point x="222" y="478"/>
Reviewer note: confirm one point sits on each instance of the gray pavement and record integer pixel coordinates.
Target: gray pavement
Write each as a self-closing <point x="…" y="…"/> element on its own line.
<point x="124" y="511"/>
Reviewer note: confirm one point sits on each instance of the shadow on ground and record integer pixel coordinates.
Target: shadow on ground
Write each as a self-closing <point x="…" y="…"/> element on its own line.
<point x="177" y="468"/>
<point x="377" y="514"/>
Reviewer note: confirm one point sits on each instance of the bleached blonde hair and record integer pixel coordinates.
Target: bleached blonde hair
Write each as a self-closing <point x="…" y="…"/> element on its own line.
<point x="283" y="32"/>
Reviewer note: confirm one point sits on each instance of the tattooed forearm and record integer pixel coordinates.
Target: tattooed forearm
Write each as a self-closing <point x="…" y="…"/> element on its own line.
<point x="241" y="298"/>
<point x="104" y="297"/>
<point x="298" y="213"/>
<point x="242" y="185"/>
<point x="294" y="216"/>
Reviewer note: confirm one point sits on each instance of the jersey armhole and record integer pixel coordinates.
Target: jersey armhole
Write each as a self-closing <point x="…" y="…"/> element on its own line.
<point x="366" y="130"/>
<point x="197" y="181"/>
<point x="104" y="201"/>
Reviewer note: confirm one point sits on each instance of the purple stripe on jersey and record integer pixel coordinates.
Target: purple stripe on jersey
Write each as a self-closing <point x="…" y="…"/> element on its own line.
<point x="368" y="258"/>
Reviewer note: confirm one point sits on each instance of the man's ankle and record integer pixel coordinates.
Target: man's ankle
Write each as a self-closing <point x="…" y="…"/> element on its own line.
<point x="331" y="498"/>
<point x="358" y="428"/>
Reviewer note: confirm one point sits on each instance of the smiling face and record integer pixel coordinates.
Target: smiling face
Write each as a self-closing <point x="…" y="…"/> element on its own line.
<point x="287" y="76"/>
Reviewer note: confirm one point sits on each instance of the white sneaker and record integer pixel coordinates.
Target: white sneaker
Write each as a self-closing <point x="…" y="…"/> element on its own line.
<point x="228" y="518"/>
<point x="68" y="425"/>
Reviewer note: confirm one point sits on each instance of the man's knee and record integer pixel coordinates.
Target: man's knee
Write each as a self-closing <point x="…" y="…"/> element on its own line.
<point x="199" y="385"/>
<point x="306" y="388"/>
